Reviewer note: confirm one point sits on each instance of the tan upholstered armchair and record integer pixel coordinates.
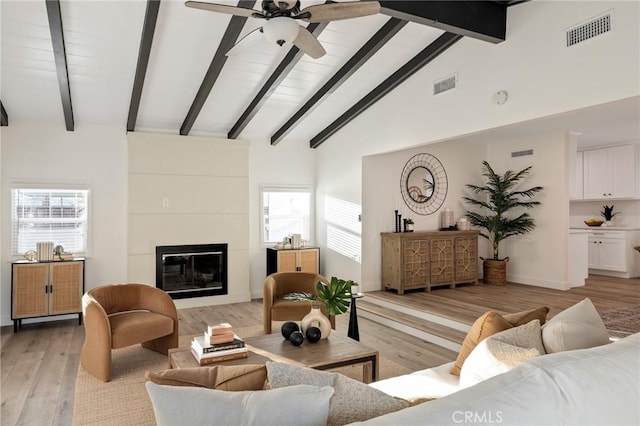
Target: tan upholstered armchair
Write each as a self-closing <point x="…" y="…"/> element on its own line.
<point x="278" y="309"/>
<point x="116" y="316"/>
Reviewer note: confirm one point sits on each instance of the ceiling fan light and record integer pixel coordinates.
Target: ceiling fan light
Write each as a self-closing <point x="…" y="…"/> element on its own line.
<point x="280" y="30"/>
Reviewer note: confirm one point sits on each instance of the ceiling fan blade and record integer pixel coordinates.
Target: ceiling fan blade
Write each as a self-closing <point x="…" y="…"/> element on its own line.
<point x="231" y="10"/>
<point x="338" y="11"/>
<point x="242" y="45"/>
<point x="310" y="45"/>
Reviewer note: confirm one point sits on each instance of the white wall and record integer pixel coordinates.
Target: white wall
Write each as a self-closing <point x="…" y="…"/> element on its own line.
<point x="543" y="78"/>
<point x="283" y="164"/>
<point x="189" y="190"/>
<point x="547" y="244"/>
<point x="93" y="155"/>
<point x="381" y="196"/>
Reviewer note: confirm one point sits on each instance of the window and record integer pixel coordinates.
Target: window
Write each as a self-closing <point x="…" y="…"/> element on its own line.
<point x="42" y="214"/>
<point x="285" y="211"/>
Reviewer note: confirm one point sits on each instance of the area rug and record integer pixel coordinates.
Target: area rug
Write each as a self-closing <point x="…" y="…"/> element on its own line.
<point x="124" y="400"/>
<point x="622" y="322"/>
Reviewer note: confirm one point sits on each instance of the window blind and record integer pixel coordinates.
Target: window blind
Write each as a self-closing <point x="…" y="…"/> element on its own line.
<point x="57" y="215"/>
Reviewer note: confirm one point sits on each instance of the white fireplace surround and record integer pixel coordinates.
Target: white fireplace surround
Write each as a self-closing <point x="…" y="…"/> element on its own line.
<point x="215" y="208"/>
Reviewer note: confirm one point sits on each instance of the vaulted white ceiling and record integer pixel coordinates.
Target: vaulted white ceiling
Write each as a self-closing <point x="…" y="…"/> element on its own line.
<point x="103" y="40"/>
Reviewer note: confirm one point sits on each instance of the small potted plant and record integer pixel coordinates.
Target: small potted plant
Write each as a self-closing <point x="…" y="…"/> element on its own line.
<point x="336" y="296"/>
<point x="608" y="214"/>
<point x="408" y="225"/>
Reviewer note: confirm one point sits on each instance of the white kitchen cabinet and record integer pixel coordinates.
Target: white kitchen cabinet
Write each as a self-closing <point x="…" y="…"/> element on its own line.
<point x="612" y="251"/>
<point x="610" y="173"/>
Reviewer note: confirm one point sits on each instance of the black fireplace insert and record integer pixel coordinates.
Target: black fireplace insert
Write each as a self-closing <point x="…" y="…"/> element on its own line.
<point x="194" y="270"/>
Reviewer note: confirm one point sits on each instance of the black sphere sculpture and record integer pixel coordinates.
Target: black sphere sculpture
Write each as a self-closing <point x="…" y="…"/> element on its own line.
<point x="288" y="328"/>
<point x="296" y="338"/>
<point x="313" y="334"/>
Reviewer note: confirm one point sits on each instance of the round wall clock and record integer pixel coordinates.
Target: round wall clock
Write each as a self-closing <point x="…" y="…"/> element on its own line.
<point x="423" y="184"/>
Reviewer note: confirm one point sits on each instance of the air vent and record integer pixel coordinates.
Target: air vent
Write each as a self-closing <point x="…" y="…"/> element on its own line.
<point x="445" y="84"/>
<point x="522" y="153"/>
<point x="593" y="28"/>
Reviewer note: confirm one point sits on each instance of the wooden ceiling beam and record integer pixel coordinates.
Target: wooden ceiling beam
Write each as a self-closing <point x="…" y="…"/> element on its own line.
<point x="484" y="20"/>
<point x="59" y="53"/>
<point x="217" y="63"/>
<point x="272" y="83"/>
<point x="146" y="40"/>
<point x="4" y="118"/>
<point x="375" y="43"/>
<point x="428" y="54"/>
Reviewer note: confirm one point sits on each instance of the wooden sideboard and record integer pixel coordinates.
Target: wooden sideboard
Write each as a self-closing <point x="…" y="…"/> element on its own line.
<point x="41" y="289"/>
<point x="290" y="260"/>
<point x="415" y="260"/>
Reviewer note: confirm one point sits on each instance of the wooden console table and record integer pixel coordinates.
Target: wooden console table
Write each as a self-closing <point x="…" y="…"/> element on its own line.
<point x="415" y="260"/>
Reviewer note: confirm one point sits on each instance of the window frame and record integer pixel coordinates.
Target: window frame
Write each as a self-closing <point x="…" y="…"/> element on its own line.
<point x="286" y="188"/>
<point x="48" y="186"/>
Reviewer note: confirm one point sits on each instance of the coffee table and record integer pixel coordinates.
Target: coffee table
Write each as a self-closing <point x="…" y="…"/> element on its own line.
<point x="330" y="353"/>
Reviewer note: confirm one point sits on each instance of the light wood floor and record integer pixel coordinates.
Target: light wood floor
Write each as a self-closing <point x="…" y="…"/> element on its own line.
<point x="467" y="302"/>
<point x="39" y="364"/>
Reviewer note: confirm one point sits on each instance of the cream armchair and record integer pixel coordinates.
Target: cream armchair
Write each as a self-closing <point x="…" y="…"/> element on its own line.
<point x="280" y="283"/>
<point x="116" y="316"/>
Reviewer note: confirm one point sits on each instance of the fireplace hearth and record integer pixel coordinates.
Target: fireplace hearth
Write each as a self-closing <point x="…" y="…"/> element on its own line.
<point x="195" y="270"/>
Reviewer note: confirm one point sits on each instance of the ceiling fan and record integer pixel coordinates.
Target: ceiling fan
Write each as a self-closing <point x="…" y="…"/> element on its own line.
<point x="281" y="15"/>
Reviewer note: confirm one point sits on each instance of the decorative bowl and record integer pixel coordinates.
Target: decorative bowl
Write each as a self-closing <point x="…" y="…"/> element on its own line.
<point x="593" y="222"/>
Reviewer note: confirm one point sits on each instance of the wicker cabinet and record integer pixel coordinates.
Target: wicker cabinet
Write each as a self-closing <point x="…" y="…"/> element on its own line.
<point x="46" y="288"/>
<point x="291" y="260"/>
<point x="416" y="260"/>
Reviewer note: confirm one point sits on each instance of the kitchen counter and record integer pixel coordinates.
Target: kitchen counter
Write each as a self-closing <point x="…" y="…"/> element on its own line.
<point x="605" y="228"/>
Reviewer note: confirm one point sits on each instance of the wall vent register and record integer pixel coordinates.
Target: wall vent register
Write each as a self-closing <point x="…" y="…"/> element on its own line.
<point x="597" y="26"/>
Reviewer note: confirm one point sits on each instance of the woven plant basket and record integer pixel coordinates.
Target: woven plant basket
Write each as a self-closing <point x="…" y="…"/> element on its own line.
<point x="494" y="272"/>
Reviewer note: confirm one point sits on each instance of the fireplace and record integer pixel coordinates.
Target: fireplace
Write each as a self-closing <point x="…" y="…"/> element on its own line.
<point x="192" y="270"/>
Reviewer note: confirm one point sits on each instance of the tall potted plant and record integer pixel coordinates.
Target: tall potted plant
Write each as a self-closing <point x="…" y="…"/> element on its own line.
<point x="496" y="200"/>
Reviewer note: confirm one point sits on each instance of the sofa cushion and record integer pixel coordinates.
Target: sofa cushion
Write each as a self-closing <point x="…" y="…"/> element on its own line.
<point x="130" y="328"/>
<point x="501" y="352"/>
<point x="596" y="386"/>
<point x="524" y="317"/>
<point x="221" y="377"/>
<point x="352" y="401"/>
<point x="295" y="405"/>
<point x="430" y="383"/>
<point x="577" y="327"/>
<point x="488" y="324"/>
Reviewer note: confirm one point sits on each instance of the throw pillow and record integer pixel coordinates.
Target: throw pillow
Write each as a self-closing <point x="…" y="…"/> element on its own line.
<point x="352" y="401"/>
<point x="521" y="318"/>
<point x="488" y="324"/>
<point x="221" y="377"/>
<point x="501" y="352"/>
<point x="577" y="327"/>
<point x="295" y="405"/>
<point x="525" y="336"/>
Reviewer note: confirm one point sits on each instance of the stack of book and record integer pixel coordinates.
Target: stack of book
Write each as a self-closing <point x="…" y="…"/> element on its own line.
<point x="219" y="343"/>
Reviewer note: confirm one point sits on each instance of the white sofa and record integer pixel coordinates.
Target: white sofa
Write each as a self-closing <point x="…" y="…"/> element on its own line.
<point x="595" y="386"/>
<point x="525" y="374"/>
